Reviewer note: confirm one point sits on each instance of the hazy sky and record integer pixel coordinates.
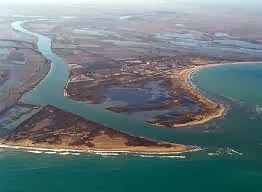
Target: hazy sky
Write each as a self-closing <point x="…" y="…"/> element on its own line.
<point x="237" y="3"/>
<point x="135" y="1"/>
<point x="79" y="1"/>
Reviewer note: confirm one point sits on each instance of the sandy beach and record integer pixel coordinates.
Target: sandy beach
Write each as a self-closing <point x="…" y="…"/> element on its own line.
<point x="212" y="110"/>
<point x="109" y="149"/>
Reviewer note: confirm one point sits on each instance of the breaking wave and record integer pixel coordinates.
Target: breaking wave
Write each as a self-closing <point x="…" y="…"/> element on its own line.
<point x="65" y="152"/>
<point x="106" y="154"/>
<point x="44" y="150"/>
<point x="163" y="156"/>
<point x="36" y="152"/>
<point x="225" y="151"/>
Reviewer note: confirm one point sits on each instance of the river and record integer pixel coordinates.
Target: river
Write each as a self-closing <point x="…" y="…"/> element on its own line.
<point x="230" y="159"/>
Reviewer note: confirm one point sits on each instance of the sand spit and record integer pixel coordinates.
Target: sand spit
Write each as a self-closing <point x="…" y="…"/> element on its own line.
<point x="212" y="110"/>
<point x="65" y="151"/>
<point x="53" y="128"/>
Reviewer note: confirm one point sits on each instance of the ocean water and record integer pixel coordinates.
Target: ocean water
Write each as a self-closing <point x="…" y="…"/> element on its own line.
<point x="37" y="172"/>
<point x="230" y="159"/>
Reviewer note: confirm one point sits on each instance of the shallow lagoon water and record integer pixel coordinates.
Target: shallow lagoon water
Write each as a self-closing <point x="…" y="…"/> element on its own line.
<point x="93" y="32"/>
<point x="137" y="95"/>
<point x="125" y="43"/>
<point x="199" y="41"/>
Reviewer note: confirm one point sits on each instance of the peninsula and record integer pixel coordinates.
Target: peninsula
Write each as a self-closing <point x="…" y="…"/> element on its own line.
<point x="56" y="129"/>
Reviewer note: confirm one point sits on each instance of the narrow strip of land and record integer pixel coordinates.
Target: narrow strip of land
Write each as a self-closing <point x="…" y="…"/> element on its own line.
<point x="57" y="129"/>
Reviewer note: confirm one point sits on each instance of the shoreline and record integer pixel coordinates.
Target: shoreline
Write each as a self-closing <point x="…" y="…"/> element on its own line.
<point x="95" y="151"/>
<point x="175" y="149"/>
<point x="45" y="130"/>
<point x="184" y="77"/>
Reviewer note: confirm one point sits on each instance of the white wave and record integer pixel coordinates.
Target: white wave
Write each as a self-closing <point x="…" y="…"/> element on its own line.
<point x="112" y="151"/>
<point x="195" y="150"/>
<point x="163" y="156"/>
<point x="98" y="152"/>
<point x="173" y="157"/>
<point x="107" y="154"/>
<point x="36" y="152"/>
<point x="64" y="153"/>
<point x="42" y="149"/>
<point x="76" y="154"/>
<point x="225" y="151"/>
<point x="156" y="153"/>
<point x="213" y="154"/>
<point x="232" y="151"/>
<point x="148" y="156"/>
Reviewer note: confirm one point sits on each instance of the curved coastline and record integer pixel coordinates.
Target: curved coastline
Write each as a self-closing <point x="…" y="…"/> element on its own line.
<point x="185" y="76"/>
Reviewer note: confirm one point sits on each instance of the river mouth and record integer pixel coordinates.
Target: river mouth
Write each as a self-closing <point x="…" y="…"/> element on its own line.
<point x="222" y="132"/>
